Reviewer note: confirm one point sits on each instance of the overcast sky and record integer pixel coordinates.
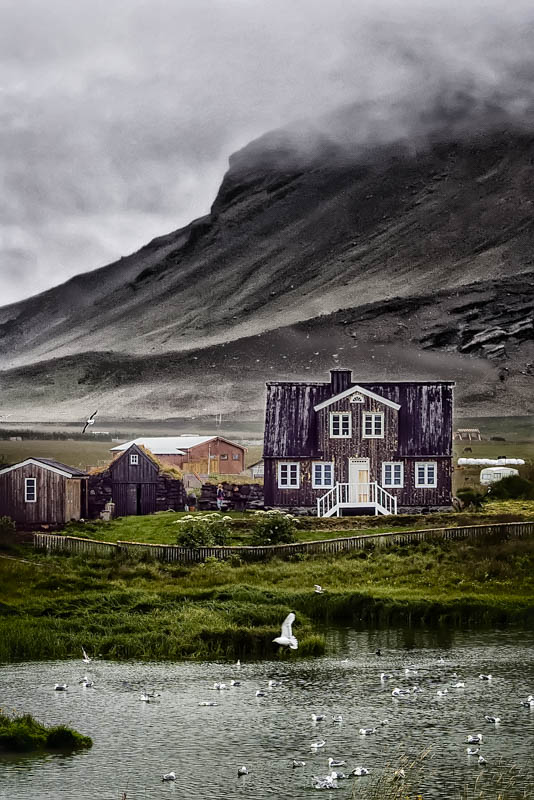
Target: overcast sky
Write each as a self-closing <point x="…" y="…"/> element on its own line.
<point x="118" y="117"/>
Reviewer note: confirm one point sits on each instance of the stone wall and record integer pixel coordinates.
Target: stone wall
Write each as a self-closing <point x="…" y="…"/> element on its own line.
<point x="248" y="496"/>
<point x="169" y="493"/>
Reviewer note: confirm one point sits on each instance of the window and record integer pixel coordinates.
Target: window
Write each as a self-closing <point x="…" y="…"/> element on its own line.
<point x="373" y="426"/>
<point x="134" y="459"/>
<point x="393" y="474"/>
<point x="224" y="456"/>
<point x="322" y="475"/>
<point x="30" y="490"/>
<point x="288" y="475"/>
<point x="235" y="456"/>
<point x="426" y="474"/>
<point x="340" y="425"/>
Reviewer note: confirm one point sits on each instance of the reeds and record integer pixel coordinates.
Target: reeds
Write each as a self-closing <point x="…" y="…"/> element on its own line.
<point x="23" y="734"/>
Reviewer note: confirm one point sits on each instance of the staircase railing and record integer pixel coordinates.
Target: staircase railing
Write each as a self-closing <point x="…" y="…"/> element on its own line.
<point x="383" y="498"/>
<point x="328" y="502"/>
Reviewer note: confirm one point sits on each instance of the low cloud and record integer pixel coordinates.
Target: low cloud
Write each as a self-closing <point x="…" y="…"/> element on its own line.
<point x="117" y="118"/>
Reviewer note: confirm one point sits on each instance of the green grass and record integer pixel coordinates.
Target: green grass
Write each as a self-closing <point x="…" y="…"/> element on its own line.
<point x="122" y="608"/>
<point x="23" y="734"/>
<point x="80" y="454"/>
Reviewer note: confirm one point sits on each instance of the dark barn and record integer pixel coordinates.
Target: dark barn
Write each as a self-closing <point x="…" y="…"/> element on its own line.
<point x="137" y="484"/>
<point x="341" y="447"/>
<point x="42" y="491"/>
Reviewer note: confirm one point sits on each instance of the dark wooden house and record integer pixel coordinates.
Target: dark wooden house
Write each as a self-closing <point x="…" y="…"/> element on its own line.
<point x="346" y="447"/>
<point x="42" y="491"/>
<point x="137" y="484"/>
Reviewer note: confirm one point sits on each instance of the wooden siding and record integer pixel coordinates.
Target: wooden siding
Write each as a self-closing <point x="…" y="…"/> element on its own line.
<point x="58" y="498"/>
<point x="174" y="553"/>
<point x="124" y="472"/>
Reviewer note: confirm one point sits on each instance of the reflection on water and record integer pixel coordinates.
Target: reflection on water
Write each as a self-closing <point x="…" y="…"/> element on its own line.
<point x="136" y="742"/>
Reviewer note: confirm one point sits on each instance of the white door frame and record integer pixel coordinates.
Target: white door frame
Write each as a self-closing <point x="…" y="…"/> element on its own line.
<point x="359" y="491"/>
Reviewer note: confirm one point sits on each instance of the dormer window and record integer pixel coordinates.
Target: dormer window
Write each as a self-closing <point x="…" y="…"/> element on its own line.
<point x="373" y="426"/>
<point x="134" y="459"/>
<point x="340" y="425"/>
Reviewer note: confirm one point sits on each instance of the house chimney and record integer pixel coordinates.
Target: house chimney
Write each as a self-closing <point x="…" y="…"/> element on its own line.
<point x="340" y="379"/>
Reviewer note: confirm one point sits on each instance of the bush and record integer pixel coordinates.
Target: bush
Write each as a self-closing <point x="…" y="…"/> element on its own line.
<point x="512" y="488"/>
<point x="203" y="530"/>
<point x="470" y="498"/>
<point x="7" y="531"/>
<point x="273" y="527"/>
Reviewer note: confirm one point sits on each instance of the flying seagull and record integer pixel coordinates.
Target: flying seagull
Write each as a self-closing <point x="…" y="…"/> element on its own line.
<point x="286" y="638"/>
<point x="90" y="421"/>
<point x="86" y="658"/>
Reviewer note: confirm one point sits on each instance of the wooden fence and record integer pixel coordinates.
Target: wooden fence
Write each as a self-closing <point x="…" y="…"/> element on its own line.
<point x="186" y="555"/>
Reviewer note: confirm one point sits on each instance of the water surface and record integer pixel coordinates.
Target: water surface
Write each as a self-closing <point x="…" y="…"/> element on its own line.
<point x="135" y="742"/>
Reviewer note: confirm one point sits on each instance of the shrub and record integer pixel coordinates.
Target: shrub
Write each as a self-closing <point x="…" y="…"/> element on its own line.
<point x="514" y="487"/>
<point x="273" y="527"/>
<point x="203" y="530"/>
<point x="470" y="498"/>
<point x="7" y="531"/>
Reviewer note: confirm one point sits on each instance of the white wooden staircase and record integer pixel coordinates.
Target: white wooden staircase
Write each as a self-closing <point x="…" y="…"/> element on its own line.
<point x="361" y="495"/>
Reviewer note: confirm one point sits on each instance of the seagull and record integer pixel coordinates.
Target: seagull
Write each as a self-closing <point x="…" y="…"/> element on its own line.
<point x="259" y="693"/>
<point x="318" y="589"/>
<point x="325" y="781"/>
<point x="475" y="739"/>
<point x="400" y="692"/>
<point x="359" y="771"/>
<point x="529" y="702"/>
<point x="333" y="763"/>
<point x="399" y="774"/>
<point x="337" y="718"/>
<point x="273" y="684"/>
<point x="318" y="717"/>
<point x="338" y="776"/>
<point x="489" y="718"/>
<point x="169" y="776"/>
<point x="242" y="771"/>
<point x="220" y="686"/>
<point x="298" y="764"/>
<point x="286" y="638"/>
<point x="442" y="692"/>
<point x="86" y="659"/>
<point x="235" y="683"/>
<point x="473" y="751"/>
<point x="238" y="663"/>
<point x="385" y="676"/>
<point x="485" y="677"/>
<point x="61" y="687"/>
<point x="459" y="685"/>
<point x="481" y="761"/>
<point x="208" y="703"/>
<point x="90" y="421"/>
<point x="317" y="745"/>
<point x="87" y="684"/>
<point x="367" y="731"/>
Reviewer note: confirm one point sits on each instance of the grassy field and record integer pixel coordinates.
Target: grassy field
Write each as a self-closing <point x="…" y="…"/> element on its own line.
<point x="126" y="608"/>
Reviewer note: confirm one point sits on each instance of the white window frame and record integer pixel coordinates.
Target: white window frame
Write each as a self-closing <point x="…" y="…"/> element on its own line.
<point x="341" y="414"/>
<point x="134" y="459"/>
<point x="374" y="415"/>
<point x="426" y="484"/>
<point x="286" y="482"/>
<point x="392" y="484"/>
<point x="322" y="484"/>
<point x="26" y="486"/>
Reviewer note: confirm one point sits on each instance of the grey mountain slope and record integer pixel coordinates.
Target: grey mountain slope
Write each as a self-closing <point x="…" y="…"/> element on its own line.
<point x="293" y="236"/>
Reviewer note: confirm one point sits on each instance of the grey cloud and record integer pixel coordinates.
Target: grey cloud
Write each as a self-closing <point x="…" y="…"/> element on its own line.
<point x="117" y="117"/>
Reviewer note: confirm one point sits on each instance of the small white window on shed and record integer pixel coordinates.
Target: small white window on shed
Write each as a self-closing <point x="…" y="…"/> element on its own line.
<point x="134" y="459"/>
<point x="30" y="490"/>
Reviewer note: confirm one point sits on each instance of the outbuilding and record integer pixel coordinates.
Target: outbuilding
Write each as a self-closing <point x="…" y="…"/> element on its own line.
<point x="42" y="491"/>
<point x="204" y="455"/>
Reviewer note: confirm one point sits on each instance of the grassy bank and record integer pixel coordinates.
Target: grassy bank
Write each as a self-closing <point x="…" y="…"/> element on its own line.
<point x="122" y="608"/>
<point x="23" y="734"/>
<point x="161" y="528"/>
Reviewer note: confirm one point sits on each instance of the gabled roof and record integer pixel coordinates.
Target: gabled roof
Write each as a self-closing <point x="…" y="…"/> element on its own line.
<point x="425" y="416"/>
<point x="50" y="464"/>
<point x="356" y="389"/>
<point x="171" y="445"/>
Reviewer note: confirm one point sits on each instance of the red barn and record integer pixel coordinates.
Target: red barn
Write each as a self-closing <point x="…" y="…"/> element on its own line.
<point x="202" y="454"/>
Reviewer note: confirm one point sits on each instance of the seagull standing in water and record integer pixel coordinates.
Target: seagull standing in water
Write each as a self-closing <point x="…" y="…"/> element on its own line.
<point x="286" y="638"/>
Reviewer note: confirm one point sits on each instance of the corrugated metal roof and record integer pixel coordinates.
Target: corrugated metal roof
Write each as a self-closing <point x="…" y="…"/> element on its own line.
<point x="50" y="462"/>
<point x="169" y="445"/>
<point x="425" y="416"/>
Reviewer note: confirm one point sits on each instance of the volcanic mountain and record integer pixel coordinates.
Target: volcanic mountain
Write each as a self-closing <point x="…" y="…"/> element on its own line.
<point x="401" y="260"/>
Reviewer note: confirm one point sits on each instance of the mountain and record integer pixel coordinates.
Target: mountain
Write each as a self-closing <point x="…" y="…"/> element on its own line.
<point x="408" y="259"/>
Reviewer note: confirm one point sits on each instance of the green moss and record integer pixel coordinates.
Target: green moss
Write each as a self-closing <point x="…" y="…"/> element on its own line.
<point x="23" y="734"/>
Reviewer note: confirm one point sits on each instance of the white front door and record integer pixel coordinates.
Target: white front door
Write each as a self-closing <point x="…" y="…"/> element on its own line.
<point x="359" y="480"/>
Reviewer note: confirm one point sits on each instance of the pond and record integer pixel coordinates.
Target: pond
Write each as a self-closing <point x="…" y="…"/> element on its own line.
<point x="136" y="742"/>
